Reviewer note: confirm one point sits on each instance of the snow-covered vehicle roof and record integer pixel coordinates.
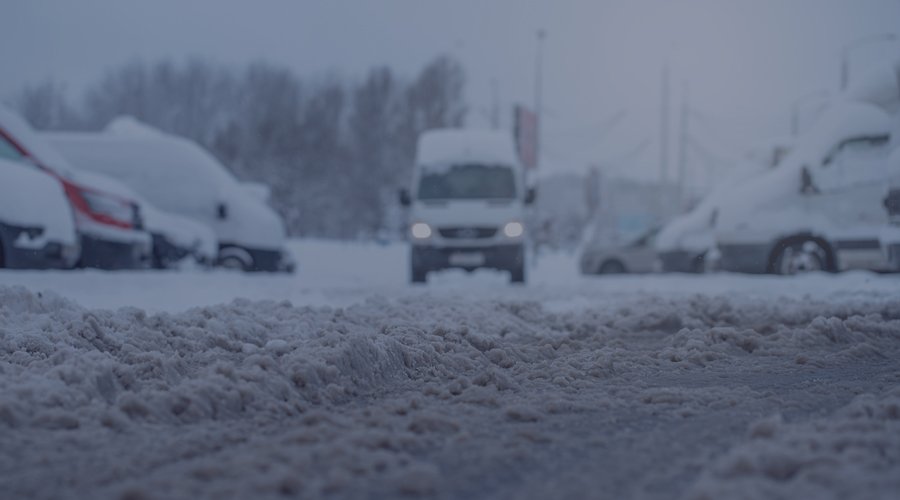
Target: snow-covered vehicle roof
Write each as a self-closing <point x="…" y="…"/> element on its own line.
<point x="30" y="197"/>
<point x="447" y="146"/>
<point x="840" y="122"/>
<point x="176" y="175"/>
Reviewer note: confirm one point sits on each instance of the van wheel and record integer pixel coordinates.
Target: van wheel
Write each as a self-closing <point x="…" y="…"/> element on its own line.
<point x="517" y="274"/>
<point x="418" y="275"/>
<point x="612" y="267"/>
<point x="2" y="260"/>
<point x="233" y="263"/>
<point x="800" y="256"/>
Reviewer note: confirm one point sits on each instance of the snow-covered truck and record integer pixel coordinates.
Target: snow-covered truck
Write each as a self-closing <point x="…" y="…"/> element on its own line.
<point x="180" y="177"/>
<point x="37" y="227"/>
<point x="822" y="209"/>
<point x="467" y="204"/>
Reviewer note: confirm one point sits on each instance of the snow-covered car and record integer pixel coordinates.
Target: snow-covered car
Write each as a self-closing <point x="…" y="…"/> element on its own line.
<point x="174" y="238"/>
<point x="821" y="210"/>
<point x="467" y="204"/>
<point x="37" y="227"/>
<point x="686" y="243"/>
<point x="109" y="226"/>
<point x="637" y="256"/>
<point x="180" y="177"/>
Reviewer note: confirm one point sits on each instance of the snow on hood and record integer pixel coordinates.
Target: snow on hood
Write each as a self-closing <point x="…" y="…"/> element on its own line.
<point x="693" y="230"/>
<point x="841" y="121"/>
<point x="443" y="147"/>
<point x="30" y="197"/>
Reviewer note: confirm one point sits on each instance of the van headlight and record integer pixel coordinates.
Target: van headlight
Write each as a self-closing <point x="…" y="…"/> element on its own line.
<point x="420" y="231"/>
<point x="513" y="229"/>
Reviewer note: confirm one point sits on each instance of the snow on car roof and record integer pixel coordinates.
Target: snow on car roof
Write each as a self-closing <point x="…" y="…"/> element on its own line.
<point x="443" y="146"/>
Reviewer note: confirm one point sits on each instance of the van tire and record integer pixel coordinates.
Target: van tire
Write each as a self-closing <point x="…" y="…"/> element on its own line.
<point x="233" y="263"/>
<point x="418" y="274"/>
<point x="517" y="274"/>
<point x="2" y="258"/>
<point x="801" y="254"/>
<point x="612" y="266"/>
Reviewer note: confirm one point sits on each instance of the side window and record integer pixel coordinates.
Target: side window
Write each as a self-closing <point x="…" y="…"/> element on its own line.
<point x="9" y="152"/>
<point x="863" y="148"/>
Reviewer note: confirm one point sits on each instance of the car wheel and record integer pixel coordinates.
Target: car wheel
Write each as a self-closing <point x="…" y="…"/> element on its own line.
<point x="418" y="275"/>
<point x="612" y="267"/>
<point x="800" y="257"/>
<point x="517" y="274"/>
<point x="233" y="263"/>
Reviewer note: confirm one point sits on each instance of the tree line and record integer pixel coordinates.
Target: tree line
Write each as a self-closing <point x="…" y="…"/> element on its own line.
<point x="333" y="150"/>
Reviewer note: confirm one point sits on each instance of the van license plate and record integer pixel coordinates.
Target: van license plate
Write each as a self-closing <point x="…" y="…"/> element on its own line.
<point x="467" y="259"/>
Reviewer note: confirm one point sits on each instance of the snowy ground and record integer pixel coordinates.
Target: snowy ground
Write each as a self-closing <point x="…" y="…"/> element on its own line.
<point x="344" y="382"/>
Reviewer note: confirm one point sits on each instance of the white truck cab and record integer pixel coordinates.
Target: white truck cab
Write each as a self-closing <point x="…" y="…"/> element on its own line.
<point x="467" y="204"/>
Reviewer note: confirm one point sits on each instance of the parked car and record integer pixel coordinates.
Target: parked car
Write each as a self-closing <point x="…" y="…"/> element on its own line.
<point x="178" y="176"/>
<point x="174" y="238"/>
<point x="686" y="244"/>
<point x="822" y="210"/>
<point x="110" y="227"/>
<point x="637" y="256"/>
<point x="467" y="204"/>
<point x="37" y="227"/>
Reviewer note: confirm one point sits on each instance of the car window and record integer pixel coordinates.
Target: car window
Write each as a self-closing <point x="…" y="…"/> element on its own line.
<point x="9" y="152"/>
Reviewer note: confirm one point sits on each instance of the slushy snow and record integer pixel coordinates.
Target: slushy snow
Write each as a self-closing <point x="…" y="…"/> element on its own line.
<point x="692" y="387"/>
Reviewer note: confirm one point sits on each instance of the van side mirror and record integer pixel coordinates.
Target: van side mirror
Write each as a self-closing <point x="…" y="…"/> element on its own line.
<point x="405" y="199"/>
<point x="222" y="211"/>
<point x="530" y="196"/>
<point x="807" y="184"/>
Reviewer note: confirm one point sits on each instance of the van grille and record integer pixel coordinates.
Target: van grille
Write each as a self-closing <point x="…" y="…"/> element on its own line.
<point x="467" y="233"/>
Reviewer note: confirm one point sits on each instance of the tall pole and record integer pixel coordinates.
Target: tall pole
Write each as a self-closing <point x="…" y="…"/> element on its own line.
<point x="495" y="105"/>
<point x="683" y="146"/>
<point x="538" y="97"/>
<point x="845" y="53"/>
<point x="664" y="141"/>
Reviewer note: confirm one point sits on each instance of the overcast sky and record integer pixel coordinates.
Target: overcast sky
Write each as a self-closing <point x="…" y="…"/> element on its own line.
<point x="744" y="61"/>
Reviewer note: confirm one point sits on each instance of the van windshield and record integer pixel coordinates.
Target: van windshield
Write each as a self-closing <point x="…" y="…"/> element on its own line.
<point x="469" y="181"/>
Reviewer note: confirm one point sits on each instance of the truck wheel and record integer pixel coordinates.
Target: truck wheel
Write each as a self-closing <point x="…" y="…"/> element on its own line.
<point x="418" y="275"/>
<point x="517" y="274"/>
<point x="612" y="267"/>
<point x="801" y="256"/>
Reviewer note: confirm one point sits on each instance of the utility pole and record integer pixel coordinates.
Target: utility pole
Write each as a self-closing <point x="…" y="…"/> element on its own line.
<point x="495" y="105"/>
<point x="538" y="97"/>
<point x="683" y="145"/>
<point x="845" y="53"/>
<point x="664" y="142"/>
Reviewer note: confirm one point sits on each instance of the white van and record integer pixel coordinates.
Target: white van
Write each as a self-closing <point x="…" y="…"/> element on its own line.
<point x="37" y="226"/>
<point x="822" y="209"/>
<point x="467" y="204"/>
<point x="180" y="177"/>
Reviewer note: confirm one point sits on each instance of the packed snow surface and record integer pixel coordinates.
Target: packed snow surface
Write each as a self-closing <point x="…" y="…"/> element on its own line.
<point x="343" y="382"/>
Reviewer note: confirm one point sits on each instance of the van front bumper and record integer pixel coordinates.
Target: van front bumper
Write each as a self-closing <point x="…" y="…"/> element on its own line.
<point x="681" y="261"/>
<point x="41" y="254"/>
<point x="503" y="257"/>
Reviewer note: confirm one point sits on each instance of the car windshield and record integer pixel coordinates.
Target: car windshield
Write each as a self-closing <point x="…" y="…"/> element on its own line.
<point x="469" y="181"/>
